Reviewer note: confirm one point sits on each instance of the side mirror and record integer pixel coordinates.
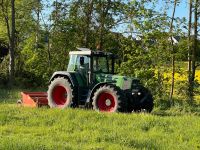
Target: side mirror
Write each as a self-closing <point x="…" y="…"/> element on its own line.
<point x="81" y="61"/>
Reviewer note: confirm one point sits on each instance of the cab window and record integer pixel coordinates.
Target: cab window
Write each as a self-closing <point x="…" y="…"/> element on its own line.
<point x="101" y="64"/>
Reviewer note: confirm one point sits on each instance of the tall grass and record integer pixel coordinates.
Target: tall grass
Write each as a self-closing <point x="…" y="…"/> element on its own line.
<point x="25" y="128"/>
<point x="43" y="128"/>
<point x="12" y="95"/>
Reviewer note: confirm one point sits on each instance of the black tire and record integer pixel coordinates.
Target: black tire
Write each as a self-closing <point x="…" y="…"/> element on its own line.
<point x="146" y="102"/>
<point x="148" y="105"/>
<point x="60" y="93"/>
<point x="109" y="98"/>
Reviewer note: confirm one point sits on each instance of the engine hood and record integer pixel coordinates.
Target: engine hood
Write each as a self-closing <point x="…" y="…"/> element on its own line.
<point x="123" y="82"/>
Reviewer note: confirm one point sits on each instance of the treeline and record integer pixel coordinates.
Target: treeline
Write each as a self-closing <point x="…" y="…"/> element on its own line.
<point x="39" y="34"/>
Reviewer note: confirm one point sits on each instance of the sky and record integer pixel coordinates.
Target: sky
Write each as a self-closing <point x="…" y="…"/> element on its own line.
<point x="181" y="11"/>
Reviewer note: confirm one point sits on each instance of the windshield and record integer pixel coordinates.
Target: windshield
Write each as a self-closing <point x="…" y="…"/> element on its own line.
<point x="102" y="64"/>
<point x="74" y="62"/>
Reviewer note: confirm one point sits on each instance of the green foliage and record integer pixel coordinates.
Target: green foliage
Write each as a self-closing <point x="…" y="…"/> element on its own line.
<point x="148" y="60"/>
<point x="3" y="33"/>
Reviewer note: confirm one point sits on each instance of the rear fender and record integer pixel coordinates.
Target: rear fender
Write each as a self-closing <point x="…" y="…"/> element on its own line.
<point x="69" y="76"/>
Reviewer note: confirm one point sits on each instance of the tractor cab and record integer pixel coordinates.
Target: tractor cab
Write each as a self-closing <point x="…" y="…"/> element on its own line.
<point x="89" y="63"/>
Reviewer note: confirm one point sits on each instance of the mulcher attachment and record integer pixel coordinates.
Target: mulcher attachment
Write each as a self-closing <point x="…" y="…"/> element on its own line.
<point x="33" y="99"/>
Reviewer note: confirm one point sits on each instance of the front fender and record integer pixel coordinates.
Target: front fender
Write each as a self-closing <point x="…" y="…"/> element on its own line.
<point x="91" y="93"/>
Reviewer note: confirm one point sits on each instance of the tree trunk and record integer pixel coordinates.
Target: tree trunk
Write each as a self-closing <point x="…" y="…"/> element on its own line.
<point x="189" y="52"/>
<point x="194" y="50"/>
<point x="12" y="45"/>
<point x="88" y="22"/>
<point x="103" y="16"/>
<point x="173" y="54"/>
<point x="38" y="25"/>
<point x="49" y="52"/>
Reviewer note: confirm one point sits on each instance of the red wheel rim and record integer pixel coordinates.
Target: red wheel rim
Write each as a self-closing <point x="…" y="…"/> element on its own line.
<point x="59" y="95"/>
<point x="106" y="102"/>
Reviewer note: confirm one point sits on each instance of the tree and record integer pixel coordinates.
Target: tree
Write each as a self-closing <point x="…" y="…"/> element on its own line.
<point x="194" y="50"/>
<point x="89" y="7"/>
<point x="189" y="52"/>
<point x="172" y="53"/>
<point x="108" y="14"/>
<point x="11" y="35"/>
<point x="38" y="23"/>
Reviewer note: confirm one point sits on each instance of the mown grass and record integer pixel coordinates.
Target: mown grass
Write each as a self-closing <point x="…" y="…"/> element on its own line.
<point x="43" y="128"/>
<point x="26" y="128"/>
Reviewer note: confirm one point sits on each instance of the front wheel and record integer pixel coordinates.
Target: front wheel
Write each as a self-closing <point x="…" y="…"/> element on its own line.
<point x="109" y="98"/>
<point x="60" y="93"/>
<point x="143" y="101"/>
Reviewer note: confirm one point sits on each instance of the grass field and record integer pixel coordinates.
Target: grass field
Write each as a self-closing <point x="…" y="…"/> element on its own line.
<point x="26" y="128"/>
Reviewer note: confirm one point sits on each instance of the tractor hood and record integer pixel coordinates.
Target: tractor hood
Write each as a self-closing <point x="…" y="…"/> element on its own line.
<point x="123" y="82"/>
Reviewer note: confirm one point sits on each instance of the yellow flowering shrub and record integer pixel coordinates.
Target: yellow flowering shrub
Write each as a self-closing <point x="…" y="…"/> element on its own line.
<point x="182" y="77"/>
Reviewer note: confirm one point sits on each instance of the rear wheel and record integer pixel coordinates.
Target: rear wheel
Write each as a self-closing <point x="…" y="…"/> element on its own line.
<point x="109" y="98"/>
<point x="60" y="93"/>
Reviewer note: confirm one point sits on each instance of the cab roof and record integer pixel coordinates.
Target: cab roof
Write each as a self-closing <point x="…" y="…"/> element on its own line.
<point x="89" y="52"/>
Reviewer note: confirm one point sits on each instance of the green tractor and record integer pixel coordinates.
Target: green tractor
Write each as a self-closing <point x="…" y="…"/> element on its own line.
<point x="90" y="81"/>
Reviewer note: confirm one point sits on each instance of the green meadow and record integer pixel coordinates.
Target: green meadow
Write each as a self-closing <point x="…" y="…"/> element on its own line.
<point x="44" y="128"/>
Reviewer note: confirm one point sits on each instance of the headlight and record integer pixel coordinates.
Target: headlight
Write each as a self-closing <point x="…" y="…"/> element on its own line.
<point x="136" y="92"/>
